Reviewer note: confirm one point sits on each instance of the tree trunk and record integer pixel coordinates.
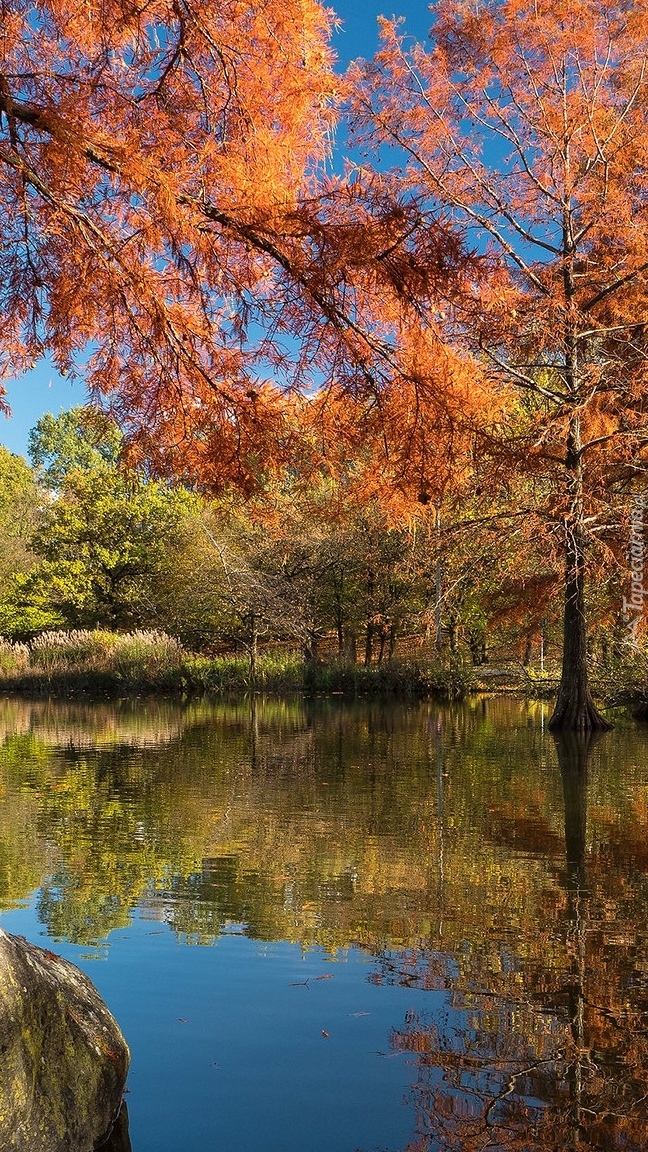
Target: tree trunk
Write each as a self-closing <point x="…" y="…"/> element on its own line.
<point x="477" y="646"/>
<point x="453" y="632"/>
<point x="310" y="648"/>
<point x="339" y="623"/>
<point x="438" y="583"/>
<point x="369" y="627"/>
<point x="575" y="710"/>
<point x="254" y="649"/>
<point x="393" y="632"/>
<point x="369" y="636"/>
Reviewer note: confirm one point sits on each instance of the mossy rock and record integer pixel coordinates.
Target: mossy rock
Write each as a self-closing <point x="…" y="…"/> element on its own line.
<point x="63" y="1059"/>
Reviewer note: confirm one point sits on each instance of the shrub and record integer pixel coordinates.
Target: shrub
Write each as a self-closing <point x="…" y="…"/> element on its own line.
<point x="451" y="681"/>
<point x="404" y="678"/>
<point x="129" y="657"/>
<point x="145" y="656"/>
<point x="276" y="672"/>
<point x="626" y="682"/>
<point x="111" y="661"/>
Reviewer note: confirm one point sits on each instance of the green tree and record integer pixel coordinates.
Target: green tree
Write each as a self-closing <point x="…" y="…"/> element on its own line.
<point x="81" y="438"/>
<point x="86" y="549"/>
<point x="101" y="545"/>
<point x="23" y="502"/>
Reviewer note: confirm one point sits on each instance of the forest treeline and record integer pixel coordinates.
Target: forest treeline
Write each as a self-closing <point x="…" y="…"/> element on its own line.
<point x="315" y="570"/>
<point x="415" y="289"/>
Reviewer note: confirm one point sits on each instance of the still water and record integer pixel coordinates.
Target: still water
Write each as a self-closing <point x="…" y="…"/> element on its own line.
<point x="341" y="927"/>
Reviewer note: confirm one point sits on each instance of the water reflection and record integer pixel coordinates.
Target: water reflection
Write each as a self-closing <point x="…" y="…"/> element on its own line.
<point x="467" y="851"/>
<point x="546" y="1046"/>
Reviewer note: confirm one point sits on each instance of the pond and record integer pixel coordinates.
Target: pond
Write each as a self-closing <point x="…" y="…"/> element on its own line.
<point x="344" y="926"/>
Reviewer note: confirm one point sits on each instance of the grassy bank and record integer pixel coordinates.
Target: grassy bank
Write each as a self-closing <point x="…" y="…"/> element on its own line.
<point x="109" y="663"/>
<point x="619" y="684"/>
<point x="102" y="663"/>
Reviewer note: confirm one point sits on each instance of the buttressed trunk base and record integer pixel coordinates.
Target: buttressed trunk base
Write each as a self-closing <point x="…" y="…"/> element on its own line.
<point x="575" y="709"/>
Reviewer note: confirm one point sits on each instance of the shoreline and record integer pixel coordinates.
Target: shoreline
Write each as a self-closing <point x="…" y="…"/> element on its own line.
<point x="398" y="681"/>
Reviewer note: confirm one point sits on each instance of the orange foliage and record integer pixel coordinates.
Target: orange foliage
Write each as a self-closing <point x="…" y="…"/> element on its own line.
<point x="166" y="203"/>
<point x="146" y="153"/>
<point x="526" y="124"/>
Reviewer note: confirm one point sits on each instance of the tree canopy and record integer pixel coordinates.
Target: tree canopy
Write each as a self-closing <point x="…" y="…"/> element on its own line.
<point x="528" y="123"/>
<point x="164" y="173"/>
<point x="465" y="325"/>
<point x="81" y="438"/>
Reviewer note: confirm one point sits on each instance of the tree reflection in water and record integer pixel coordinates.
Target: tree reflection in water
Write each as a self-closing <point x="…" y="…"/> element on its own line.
<point x="544" y="1046"/>
<point x="429" y="837"/>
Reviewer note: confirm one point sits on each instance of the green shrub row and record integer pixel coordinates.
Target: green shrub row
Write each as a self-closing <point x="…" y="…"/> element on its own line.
<point x="446" y="681"/>
<point x="153" y="661"/>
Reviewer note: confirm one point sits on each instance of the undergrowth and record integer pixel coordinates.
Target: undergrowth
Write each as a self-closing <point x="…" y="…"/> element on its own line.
<point x="149" y="661"/>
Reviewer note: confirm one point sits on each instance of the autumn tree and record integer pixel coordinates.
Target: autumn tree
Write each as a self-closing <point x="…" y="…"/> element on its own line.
<point x="167" y="206"/>
<point x="147" y="157"/>
<point x="255" y="582"/>
<point x="175" y="234"/>
<point x="346" y="567"/>
<point x="527" y="123"/>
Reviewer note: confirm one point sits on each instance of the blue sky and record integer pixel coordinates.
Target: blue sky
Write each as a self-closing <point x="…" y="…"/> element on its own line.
<point x="358" y="36"/>
<point x="43" y="390"/>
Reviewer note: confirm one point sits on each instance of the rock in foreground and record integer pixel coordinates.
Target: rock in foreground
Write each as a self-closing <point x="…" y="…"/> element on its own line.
<point x="63" y="1059"/>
